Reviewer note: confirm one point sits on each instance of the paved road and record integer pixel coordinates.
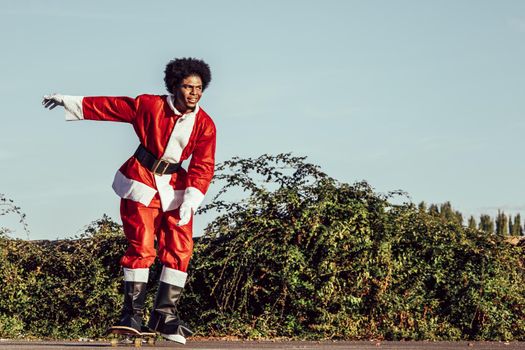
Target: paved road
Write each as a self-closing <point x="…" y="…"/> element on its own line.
<point x="277" y="345"/>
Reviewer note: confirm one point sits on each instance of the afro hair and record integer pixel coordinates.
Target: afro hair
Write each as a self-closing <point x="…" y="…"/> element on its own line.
<point x="180" y="68"/>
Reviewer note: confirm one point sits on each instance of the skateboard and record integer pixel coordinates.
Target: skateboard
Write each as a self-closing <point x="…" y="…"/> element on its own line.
<point x="127" y="335"/>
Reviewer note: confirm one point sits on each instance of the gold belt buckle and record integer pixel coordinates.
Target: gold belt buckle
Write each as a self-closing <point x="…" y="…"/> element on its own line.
<point x="156" y="166"/>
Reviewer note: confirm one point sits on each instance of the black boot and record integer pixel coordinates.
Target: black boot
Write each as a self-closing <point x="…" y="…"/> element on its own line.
<point x="164" y="316"/>
<point x="133" y="309"/>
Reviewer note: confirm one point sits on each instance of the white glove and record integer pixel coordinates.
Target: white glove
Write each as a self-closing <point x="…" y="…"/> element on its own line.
<point x="53" y="100"/>
<point x="185" y="213"/>
<point x="192" y="199"/>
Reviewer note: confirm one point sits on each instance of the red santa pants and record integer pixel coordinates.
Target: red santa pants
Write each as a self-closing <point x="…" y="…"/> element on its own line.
<point x="143" y="224"/>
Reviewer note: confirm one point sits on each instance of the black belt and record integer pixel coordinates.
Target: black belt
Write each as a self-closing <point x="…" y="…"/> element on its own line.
<point x="150" y="162"/>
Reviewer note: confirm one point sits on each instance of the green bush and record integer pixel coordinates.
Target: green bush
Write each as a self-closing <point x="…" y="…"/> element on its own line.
<point x="302" y="256"/>
<point x="313" y="258"/>
<point x="63" y="288"/>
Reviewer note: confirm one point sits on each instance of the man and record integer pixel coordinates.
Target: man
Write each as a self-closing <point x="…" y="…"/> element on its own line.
<point x="158" y="196"/>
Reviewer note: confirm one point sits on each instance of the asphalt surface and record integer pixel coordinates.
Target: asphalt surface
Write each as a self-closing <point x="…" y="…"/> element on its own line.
<point x="264" y="345"/>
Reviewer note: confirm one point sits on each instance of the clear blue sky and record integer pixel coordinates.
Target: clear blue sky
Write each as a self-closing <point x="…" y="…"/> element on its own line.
<point x="423" y="96"/>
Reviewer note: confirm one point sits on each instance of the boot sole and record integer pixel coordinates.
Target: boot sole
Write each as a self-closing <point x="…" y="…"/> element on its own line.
<point x="174" y="337"/>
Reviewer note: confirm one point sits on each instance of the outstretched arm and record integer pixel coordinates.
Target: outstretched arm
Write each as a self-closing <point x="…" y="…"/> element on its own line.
<point x="117" y="109"/>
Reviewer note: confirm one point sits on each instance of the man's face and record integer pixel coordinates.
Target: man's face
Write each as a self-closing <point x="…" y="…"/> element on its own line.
<point x="188" y="93"/>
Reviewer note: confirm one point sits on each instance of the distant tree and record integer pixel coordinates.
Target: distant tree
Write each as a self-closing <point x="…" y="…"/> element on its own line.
<point x="422" y="207"/>
<point x="458" y="216"/>
<point x="502" y="224"/>
<point x="517" y="229"/>
<point x="444" y="211"/>
<point x="448" y="213"/>
<point x="433" y="210"/>
<point x="486" y="223"/>
<point x="472" y="223"/>
<point x="511" y="225"/>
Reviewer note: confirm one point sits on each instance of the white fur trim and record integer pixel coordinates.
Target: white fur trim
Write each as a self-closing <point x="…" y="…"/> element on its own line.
<point x="173" y="277"/>
<point x="171" y="104"/>
<point x="136" y="275"/>
<point x="193" y="197"/>
<point x="169" y="198"/>
<point x="73" y="107"/>
<point x="181" y="133"/>
<point x="131" y="189"/>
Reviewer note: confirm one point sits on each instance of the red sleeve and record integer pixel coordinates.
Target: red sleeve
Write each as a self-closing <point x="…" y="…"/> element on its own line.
<point x="202" y="164"/>
<point x="114" y="109"/>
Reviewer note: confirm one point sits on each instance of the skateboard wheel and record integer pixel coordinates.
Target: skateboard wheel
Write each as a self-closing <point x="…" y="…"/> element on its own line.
<point x="114" y="342"/>
<point x="151" y="341"/>
<point x="138" y="342"/>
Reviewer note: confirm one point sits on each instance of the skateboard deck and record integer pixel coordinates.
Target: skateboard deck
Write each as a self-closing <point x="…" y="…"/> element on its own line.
<point x="127" y="336"/>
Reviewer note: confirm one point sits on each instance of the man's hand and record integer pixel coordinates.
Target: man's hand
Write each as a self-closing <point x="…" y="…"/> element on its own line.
<point x="53" y="100"/>
<point x="185" y="213"/>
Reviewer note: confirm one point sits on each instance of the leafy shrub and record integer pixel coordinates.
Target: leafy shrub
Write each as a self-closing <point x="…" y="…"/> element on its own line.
<point x="302" y="256"/>
<point x="63" y="288"/>
<point x="314" y="258"/>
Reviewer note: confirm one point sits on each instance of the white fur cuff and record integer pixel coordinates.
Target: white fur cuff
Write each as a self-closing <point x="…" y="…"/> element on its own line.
<point x="73" y="107"/>
<point x="136" y="275"/>
<point x="193" y="197"/>
<point x="173" y="277"/>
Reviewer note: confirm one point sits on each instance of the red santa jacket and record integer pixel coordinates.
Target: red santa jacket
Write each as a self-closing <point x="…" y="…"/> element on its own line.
<point x="167" y="134"/>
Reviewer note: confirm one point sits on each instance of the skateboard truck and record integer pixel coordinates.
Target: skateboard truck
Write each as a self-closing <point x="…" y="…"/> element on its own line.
<point x="131" y="335"/>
